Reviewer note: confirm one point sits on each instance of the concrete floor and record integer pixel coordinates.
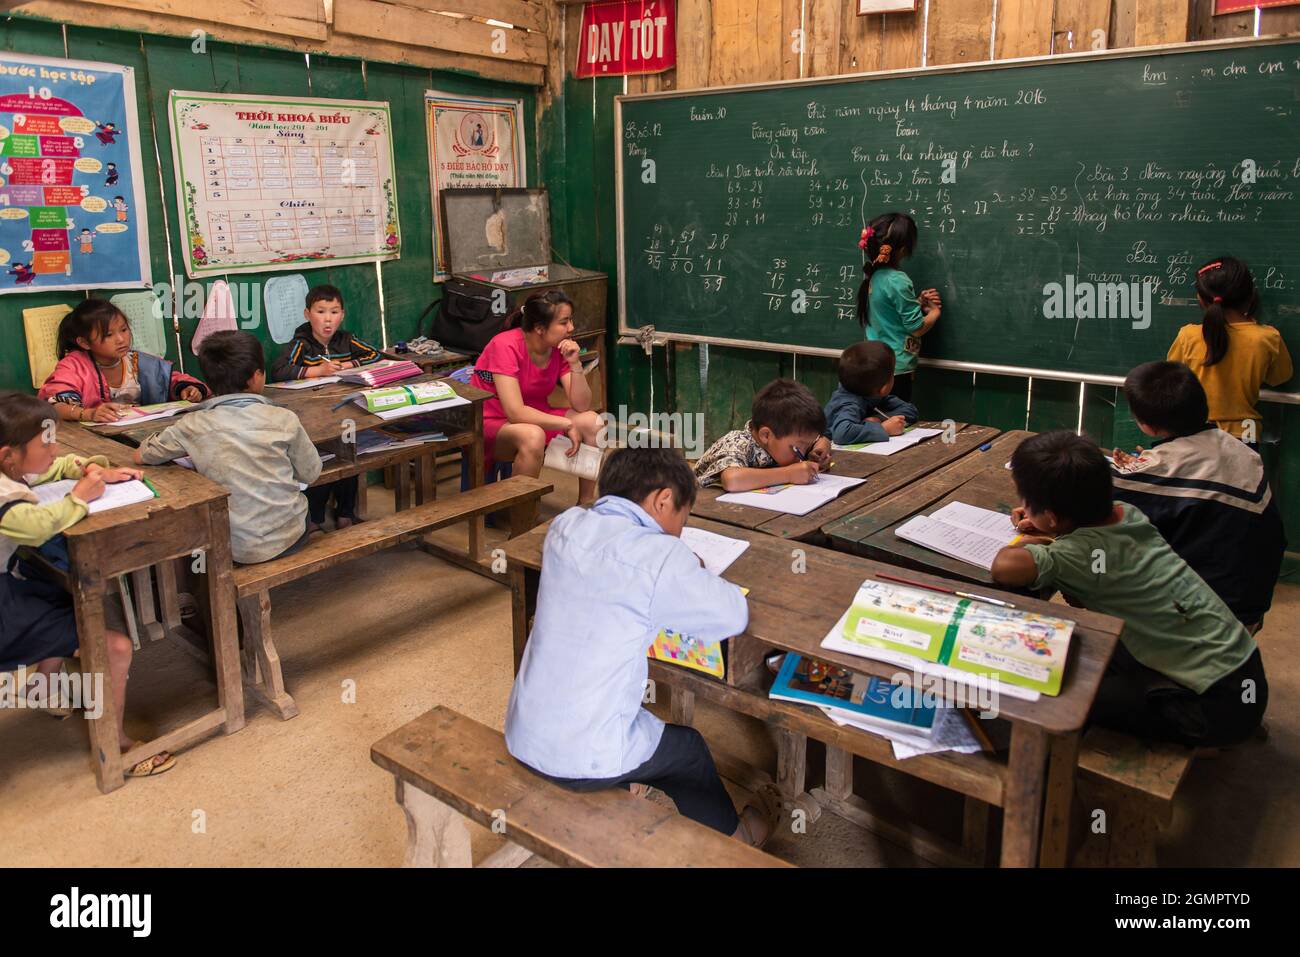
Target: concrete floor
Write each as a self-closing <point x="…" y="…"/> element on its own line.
<point x="412" y="631"/>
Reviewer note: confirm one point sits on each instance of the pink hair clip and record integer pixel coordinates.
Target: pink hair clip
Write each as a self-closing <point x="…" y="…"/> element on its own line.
<point x="866" y="234"/>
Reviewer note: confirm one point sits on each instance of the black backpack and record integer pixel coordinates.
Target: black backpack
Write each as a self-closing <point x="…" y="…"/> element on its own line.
<point x="465" y="321"/>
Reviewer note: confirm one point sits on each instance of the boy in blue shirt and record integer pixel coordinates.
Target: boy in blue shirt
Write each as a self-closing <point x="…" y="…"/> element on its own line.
<point x="612" y="577"/>
<point x="862" y="408"/>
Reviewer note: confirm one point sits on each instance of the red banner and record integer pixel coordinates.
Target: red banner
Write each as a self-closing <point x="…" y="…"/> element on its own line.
<point x="1240" y="6"/>
<point x="625" y="37"/>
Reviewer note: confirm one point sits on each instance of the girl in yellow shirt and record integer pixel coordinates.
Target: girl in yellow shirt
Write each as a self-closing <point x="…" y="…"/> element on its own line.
<point x="1231" y="354"/>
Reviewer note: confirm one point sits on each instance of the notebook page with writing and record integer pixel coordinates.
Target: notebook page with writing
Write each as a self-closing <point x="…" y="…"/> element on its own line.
<point x="717" y="552"/>
<point x="985" y="521"/>
<point x="115" y="496"/>
<point x="965" y="545"/>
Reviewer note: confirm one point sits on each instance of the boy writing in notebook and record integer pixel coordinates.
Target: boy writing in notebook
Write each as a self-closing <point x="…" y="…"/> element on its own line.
<point x="1204" y="490"/>
<point x="575" y="713"/>
<point x="240" y="440"/>
<point x="1186" y="669"/>
<point x="862" y="408"/>
<point x="781" y="443"/>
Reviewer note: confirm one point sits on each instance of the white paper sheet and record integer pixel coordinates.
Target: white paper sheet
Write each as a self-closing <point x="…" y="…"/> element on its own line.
<point x="896" y="443"/>
<point x="586" y="464"/>
<point x="794" y="499"/>
<point x="115" y="495"/>
<point x="303" y="383"/>
<point x="717" y="552"/>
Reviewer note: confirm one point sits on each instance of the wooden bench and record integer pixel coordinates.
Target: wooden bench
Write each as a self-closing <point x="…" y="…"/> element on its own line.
<point x="449" y="767"/>
<point x="1134" y="783"/>
<point x="261" y="663"/>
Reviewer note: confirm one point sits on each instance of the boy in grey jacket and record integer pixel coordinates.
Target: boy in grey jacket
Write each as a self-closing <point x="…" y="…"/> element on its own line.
<point x="260" y="452"/>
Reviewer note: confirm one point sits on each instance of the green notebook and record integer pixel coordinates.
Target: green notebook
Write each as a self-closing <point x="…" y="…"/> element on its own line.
<point x="911" y="627"/>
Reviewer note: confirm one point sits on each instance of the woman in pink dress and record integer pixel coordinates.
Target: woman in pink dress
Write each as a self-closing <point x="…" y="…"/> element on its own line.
<point x="521" y="367"/>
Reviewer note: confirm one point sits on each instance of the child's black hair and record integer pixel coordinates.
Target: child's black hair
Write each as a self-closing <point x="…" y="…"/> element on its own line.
<point x="866" y="367"/>
<point x="1065" y="474"/>
<point x="1167" y="396"/>
<point x="787" y="407"/>
<point x="90" y="320"/>
<point x="1223" y="283"/>
<point x="634" y="473"/>
<point x="324" y="293"/>
<point x="538" y="310"/>
<point x="897" y="232"/>
<point x="229" y="359"/>
<point x="22" y="418"/>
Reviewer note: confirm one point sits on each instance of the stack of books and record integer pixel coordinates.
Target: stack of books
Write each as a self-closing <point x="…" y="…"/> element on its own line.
<point x="383" y="372"/>
<point x="861" y="701"/>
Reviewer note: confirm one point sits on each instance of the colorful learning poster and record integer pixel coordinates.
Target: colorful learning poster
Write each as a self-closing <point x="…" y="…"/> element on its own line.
<point x="71" y="187"/>
<point x="267" y="183"/>
<point x="473" y="141"/>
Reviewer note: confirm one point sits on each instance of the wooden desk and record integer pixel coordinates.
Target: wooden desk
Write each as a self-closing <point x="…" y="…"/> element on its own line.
<point x="981" y="479"/>
<point x="793" y="612"/>
<point x="189" y="516"/>
<point x="332" y="429"/>
<point x="884" y="474"/>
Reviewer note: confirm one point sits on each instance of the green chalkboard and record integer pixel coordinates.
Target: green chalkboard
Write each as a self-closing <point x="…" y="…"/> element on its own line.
<point x="736" y="206"/>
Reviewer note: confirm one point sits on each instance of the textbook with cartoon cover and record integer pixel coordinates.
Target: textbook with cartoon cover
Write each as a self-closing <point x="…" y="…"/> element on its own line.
<point x="1022" y="652"/>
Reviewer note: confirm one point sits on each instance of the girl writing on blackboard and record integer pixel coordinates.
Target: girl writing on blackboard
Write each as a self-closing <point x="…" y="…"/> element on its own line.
<point x="99" y="373"/>
<point x="1231" y="354"/>
<point x="888" y="306"/>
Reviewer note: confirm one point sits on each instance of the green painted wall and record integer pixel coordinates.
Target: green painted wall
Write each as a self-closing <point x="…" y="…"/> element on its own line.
<point x="167" y="63"/>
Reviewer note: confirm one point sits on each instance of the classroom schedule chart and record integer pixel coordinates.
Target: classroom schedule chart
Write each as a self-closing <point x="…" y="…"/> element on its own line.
<point x="267" y="184"/>
<point x="70" y="177"/>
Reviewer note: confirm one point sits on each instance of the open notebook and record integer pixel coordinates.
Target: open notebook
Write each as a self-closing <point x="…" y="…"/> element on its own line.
<point x="794" y="499"/>
<point x="115" y="496"/>
<point x="965" y="532"/>
<point x="895" y="443"/>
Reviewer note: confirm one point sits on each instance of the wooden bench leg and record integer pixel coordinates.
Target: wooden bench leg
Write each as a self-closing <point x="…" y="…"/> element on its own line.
<point x="1023" y="805"/>
<point x="523" y="517"/>
<point x="839" y="773"/>
<point x="1058" y="809"/>
<point x="363" y="496"/>
<point x="682" y="706"/>
<point x="791" y="763"/>
<point x="975" y="830"/>
<point x="436" y="835"/>
<point x="146" y="615"/>
<point x="267" y="682"/>
<point x="169" y="601"/>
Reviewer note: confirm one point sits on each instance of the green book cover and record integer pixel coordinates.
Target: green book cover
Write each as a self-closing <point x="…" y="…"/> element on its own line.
<point x="395" y="397"/>
<point x="1020" y="648"/>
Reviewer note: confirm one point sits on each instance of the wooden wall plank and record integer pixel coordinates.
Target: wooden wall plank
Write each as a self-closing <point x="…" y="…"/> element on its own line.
<point x="68" y="11"/>
<point x="302" y="18"/>
<point x="1206" y="26"/>
<point x="958" y="31"/>
<point x="825" y="18"/>
<point x="903" y="36"/>
<point x="694" y="43"/>
<point x="1123" y="23"/>
<point x="397" y="24"/>
<point x="527" y="14"/>
<point x="746" y="42"/>
<point x="862" y="41"/>
<point x="1024" y="28"/>
<point x="1075" y="21"/>
<point x="1162" y="21"/>
<point x="792" y="19"/>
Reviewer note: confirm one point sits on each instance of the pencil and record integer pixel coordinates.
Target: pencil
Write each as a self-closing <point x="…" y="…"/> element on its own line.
<point x="150" y="486"/>
<point x="980" y="734"/>
<point x="947" y="591"/>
